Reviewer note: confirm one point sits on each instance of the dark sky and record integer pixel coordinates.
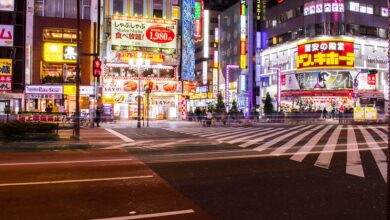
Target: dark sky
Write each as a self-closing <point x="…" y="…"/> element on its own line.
<point x="219" y="5"/>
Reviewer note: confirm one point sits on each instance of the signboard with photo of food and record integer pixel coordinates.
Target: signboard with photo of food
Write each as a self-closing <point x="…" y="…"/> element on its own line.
<point x="114" y="85"/>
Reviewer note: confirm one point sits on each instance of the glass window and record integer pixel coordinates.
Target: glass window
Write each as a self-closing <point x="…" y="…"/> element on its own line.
<point x="385" y="12"/>
<point x="158" y="8"/>
<point x="53" y="8"/>
<point x="87" y="9"/>
<point x="370" y="9"/>
<point x="38" y="7"/>
<point x="354" y="6"/>
<point x="117" y="7"/>
<point x="138" y="7"/>
<point x="71" y="9"/>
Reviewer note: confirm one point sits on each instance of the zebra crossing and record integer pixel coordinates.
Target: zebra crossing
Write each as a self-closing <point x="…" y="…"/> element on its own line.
<point x="300" y="141"/>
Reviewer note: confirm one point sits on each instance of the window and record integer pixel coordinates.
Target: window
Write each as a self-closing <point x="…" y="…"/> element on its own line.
<point x="38" y="7"/>
<point x="62" y="8"/>
<point x="71" y="9"/>
<point x="53" y="8"/>
<point x="117" y="7"/>
<point x="138" y="7"/>
<point x="354" y="6"/>
<point x="158" y="8"/>
<point x="385" y="12"/>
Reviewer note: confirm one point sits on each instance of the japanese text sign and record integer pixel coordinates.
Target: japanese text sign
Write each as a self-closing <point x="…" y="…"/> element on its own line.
<point x="59" y="52"/>
<point x="143" y="32"/>
<point x="6" y="35"/>
<point x="326" y="54"/>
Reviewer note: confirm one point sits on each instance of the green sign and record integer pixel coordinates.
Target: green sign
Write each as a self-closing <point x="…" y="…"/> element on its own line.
<point x="198" y="8"/>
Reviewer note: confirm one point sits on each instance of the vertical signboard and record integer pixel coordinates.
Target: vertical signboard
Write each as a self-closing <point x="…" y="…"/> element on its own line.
<point x="199" y="7"/>
<point x="188" y="43"/>
<point x="6" y="35"/>
<point x="243" y="34"/>
<point x="5" y="75"/>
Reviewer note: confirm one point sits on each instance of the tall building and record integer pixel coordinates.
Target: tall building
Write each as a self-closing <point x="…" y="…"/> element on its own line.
<point x="12" y="56"/>
<point x="141" y="52"/>
<point x="325" y="54"/>
<point x="51" y="48"/>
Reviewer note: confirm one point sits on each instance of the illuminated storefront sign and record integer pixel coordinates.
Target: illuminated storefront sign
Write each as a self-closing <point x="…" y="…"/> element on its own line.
<point x="199" y="7"/>
<point x="43" y="89"/>
<point x="215" y="58"/>
<point x="326" y="54"/>
<point x="327" y="6"/>
<point x="206" y="34"/>
<point x="7" y="5"/>
<point x="122" y="85"/>
<point x="6" y="35"/>
<point x="153" y="57"/>
<point x="5" y="74"/>
<point x="243" y="34"/>
<point x="215" y="83"/>
<point x="59" y="53"/>
<point x="188" y="43"/>
<point x="143" y="32"/>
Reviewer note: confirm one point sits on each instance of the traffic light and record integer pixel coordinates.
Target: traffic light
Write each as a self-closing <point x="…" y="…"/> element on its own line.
<point x="372" y="71"/>
<point x="97" y="67"/>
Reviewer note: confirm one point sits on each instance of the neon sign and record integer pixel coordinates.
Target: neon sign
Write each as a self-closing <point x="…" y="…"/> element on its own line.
<point x="336" y="53"/>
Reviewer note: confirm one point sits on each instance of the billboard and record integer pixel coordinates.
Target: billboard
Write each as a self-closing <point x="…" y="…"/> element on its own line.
<point x="5" y="74"/>
<point x="60" y="52"/>
<point x="143" y="32"/>
<point x="6" y="35"/>
<point x="7" y="5"/>
<point x="330" y="53"/>
<point x="128" y="85"/>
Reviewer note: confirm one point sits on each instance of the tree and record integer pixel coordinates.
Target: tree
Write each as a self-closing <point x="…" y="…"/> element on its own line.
<point x="220" y="106"/>
<point x="211" y="106"/>
<point x="268" y="107"/>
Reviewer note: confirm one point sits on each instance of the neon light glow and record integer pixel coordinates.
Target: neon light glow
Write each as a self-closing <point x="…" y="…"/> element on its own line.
<point x="188" y="24"/>
<point x="206" y="35"/>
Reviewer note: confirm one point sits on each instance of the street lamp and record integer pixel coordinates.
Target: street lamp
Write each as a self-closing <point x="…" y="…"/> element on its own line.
<point x="139" y="62"/>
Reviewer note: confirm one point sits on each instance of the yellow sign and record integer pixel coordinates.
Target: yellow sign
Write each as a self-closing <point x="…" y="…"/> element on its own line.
<point x="59" y="53"/>
<point x="6" y="67"/>
<point x="69" y="90"/>
<point x="370" y="113"/>
<point x="358" y="113"/>
<point x="175" y="12"/>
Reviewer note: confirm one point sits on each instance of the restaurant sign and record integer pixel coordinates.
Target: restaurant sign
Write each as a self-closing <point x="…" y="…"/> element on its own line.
<point x="332" y="53"/>
<point x="143" y="32"/>
<point x="43" y="89"/>
<point x="5" y="75"/>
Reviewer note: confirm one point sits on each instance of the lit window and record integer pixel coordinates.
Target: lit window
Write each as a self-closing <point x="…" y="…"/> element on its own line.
<point x="363" y="9"/>
<point x="385" y="12"/>
<point x="354" y="6"/>
<point x="370" y="10"/>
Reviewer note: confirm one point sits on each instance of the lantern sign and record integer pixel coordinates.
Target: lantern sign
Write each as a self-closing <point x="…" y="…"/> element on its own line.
<point x="332" y="53"/>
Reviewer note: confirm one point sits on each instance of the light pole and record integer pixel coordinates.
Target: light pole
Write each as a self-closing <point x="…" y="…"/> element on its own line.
<point x="138" y="63"/>
<point x="278" y="87"/>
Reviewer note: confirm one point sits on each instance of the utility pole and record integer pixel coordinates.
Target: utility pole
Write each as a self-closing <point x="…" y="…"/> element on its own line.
<point x="77" y="113"/>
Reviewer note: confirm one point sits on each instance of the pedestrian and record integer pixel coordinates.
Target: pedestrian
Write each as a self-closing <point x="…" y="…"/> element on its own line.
<point x="97" y="116"/>
<point x="324" y="113"/>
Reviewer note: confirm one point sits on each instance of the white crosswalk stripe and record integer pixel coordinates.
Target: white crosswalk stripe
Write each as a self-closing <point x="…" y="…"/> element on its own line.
<point x="354" y="163"/>
<point x="321" y="141"/>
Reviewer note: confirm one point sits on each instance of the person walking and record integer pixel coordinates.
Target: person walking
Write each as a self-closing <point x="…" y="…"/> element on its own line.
<point x="98" y="116"/>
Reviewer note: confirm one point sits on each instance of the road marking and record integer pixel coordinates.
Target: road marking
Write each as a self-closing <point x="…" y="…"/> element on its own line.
<point x="64" y="162"/>
<point x="254" y="141"/>
<point x="291" y="143"/>
<point x="127" y="144"/>
<point x="265" y="131"/>
<point x="241" y="133"/>
<point x="326" y="155"/>
<point x="354" y="163"/>
<point x="268" y="144"/>
<point x="305" y="150"/>
<point x="153" y="215"/>
<point x="228" y="133"/>
<point x="121" y="136"/>
<point x="75" y="181"/>
<point x="382" y="134"/>
<point x="379" y="155"/>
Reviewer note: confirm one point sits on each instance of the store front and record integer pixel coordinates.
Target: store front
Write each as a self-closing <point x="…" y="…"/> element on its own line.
<point x="39" y="97"/>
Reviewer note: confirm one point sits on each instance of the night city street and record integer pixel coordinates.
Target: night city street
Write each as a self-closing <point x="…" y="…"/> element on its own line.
<point x="194" y="109"/>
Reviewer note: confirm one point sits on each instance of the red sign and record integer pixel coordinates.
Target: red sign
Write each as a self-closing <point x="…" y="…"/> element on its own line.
<point x="160" y="34"/>
<point x="283" y="80"/>
<point x="332" y="53"/>
<point x="371" y="79"/>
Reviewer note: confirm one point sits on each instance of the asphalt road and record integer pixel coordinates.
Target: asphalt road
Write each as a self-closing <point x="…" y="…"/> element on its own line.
<point x="231" y="182"/>
<point x="270" y="172"/>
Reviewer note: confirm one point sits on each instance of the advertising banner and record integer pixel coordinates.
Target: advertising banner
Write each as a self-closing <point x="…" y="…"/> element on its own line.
<point x="143" y="32"/>
<point x="60" y="52"/>
<point x="318" y="80"/>
<point x="112" y="85"/>
<point x="332" y="53"/>
<point x="5" y="74"/>
<point x="370" y="113"/>
<point x="6" y="35"/>
<point x="358" y="113"/>
<point x="7" y="5"/>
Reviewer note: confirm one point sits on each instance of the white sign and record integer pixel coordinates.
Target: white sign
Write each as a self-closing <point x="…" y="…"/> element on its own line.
<point x="143" y="32"/>
<point x="44" y="89"/>
<point x="6" y="35"/>
<point x="86" y="90"/>
<point x="7" y="5"/>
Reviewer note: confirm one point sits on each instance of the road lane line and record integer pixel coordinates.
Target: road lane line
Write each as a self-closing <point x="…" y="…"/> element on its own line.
<point x="64" y="162"/>
<point x="262" y="138"/>
<point x="121" y="136"/>
<point x="379" y="155"/>
<point x="228" y="133"/>
<point x="382" y="134"/>
<point x="245" y="133"/>
<point x="354" y="163"/>
<point x="268" y="144"/>
<point x="265" y="131"/>
<point x="326" y="155"/>
<point x="153" y="215"/>
<point x="75" y="181"/>
<point x="305" y="150"/>
<point x="206" y="131"/>
<point x="230" y="130"/>
<point x="292" y="142"/>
